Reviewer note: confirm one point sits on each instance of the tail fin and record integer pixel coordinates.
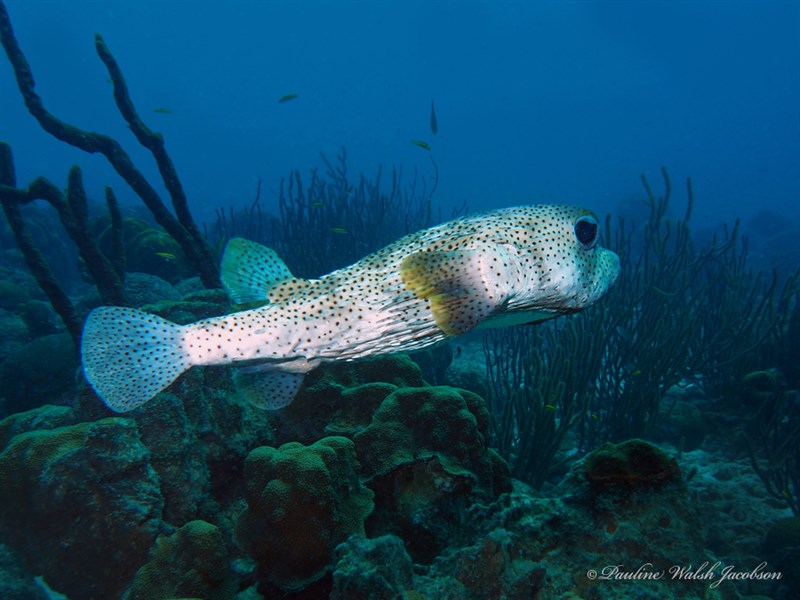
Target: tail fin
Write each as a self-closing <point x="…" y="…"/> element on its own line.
<point x="129" y="355"/>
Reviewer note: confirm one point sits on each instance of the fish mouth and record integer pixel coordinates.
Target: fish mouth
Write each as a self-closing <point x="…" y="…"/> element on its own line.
<point x="609" y="269"/>
<point x="617" y="266"/>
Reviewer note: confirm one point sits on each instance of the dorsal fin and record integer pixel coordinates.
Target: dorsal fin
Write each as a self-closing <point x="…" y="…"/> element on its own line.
<point x="464" y="287"/>
<point x="249" y="270"/>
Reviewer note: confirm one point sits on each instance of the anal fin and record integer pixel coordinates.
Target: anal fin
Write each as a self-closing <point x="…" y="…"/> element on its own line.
<point x="266" y="387"/>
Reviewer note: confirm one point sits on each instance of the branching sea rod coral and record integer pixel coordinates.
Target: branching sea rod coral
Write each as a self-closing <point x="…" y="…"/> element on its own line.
<point x="773" y="438"/>
<point x="334" y="219"/>
<point x="180" y="226"/>
<point x="73" y="212"/>
<point x="537" y="397"/>
<point x="677" y="314"/>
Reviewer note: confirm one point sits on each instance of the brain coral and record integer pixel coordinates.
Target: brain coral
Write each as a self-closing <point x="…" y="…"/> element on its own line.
<point x="633" y="464"/>
<point x="190" y="563"/>
<point x="78" y="496"/>
<point x="425" y="455"/>
<point x="302" y="502"/>
<point x="340" y="398"/>
<point x="413" y="423"/>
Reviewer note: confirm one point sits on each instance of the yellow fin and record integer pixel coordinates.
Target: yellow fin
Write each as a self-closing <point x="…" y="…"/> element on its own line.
<point x="464" y="287"/>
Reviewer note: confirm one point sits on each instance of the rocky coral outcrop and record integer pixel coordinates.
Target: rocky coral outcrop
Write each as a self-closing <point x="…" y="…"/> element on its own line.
<point x="29" y="381"/>
<point x="15" y="582"/>
<point x="13" y="333"/>
<point x="80" y="495"/>
<point x="565" y="546"/>
<point x="302" y="502"/>
<point x="395" y="493"/>
<point x="193" y="562"/>
<point x="622" y="469"/>
<point x="425" y="455"/>
<point x="177" y="455"/>
<point x="371" y="568"/>
<point x="42" y="417"/>
<point x="339" y="399"/>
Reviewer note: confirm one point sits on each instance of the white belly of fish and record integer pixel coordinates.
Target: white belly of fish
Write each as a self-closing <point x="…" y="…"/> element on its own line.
<point x="277" y="334"/>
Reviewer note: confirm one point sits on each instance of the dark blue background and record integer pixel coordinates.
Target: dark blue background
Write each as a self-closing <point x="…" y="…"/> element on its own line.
<point x="537" y="101"/>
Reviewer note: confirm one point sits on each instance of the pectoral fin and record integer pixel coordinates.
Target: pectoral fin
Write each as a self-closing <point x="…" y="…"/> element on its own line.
<point x="265" y="387"/>
<point x="464" y="287"/>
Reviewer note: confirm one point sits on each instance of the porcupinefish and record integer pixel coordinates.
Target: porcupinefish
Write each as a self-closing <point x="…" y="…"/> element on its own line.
<point x="503" y="267"/>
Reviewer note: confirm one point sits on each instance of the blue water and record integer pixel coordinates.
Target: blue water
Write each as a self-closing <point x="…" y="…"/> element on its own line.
<point x="565" y="101"/>
<point x="536" y="102"/>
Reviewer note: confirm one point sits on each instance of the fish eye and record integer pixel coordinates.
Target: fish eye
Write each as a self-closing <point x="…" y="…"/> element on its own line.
<point x="586" y="231"/>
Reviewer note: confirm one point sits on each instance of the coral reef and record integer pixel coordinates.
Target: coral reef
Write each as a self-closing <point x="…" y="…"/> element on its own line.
<point x="15" y="582"/>
<point x="528" y="547"/>
<point x="28" y="381"/>
<point x="735" y="507"/>
<point x="13" y="333"/>
<point x="404" y="501"/>
<point x="527" y="542"/>
<point x="177" y="456"/>
<point x="143" y="288"/>
<point x="40" y="418"/>
<point x="425" y="456"/>
<point x="371" y="568"/>
<point x="373" y="483"/>
<point x="302" y="502"/>
<point x="629" y="466"/>
<point x="423" y="450"/>
<point x="95" y="474"/>
<point x="193" y="562"/>
<point x="340" y="399"/>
